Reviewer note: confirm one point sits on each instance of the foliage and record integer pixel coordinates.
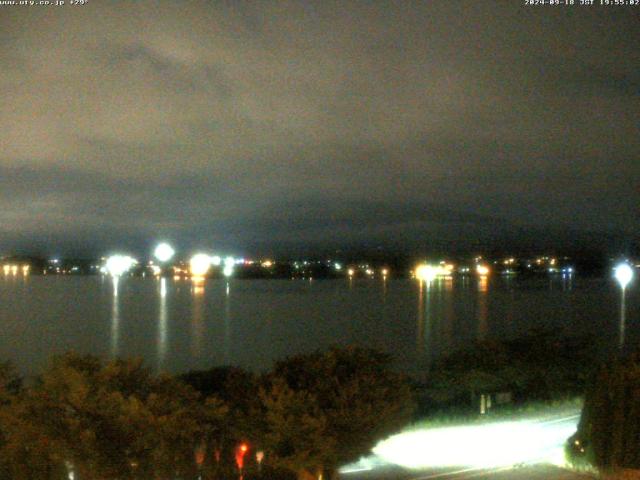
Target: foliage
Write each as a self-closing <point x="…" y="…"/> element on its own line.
<point x="237" y="389"/>
<point x="116" y="420"/>
<point x="538" y="367"/>
<point x="322" y="410"/>
<point x="104" y="421"/>
<point x="609" y="429"/>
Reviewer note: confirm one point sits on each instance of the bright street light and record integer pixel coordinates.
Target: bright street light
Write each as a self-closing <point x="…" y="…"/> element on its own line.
<point x="425" y="273"/>
<point x="116" y="265"/>
<point x="199" y="264"/>
<point x="623" y="274"/>
<point x="164" y="252"/>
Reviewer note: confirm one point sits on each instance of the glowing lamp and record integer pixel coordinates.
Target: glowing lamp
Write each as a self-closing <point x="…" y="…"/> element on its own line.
<point x="482" y="270"/>
<point x="164" y="252"/>
<point x="425" y="273"/>
<point x="117" y="265"/>
<point x="623" y="274"/>
<point x="199" y="264"/>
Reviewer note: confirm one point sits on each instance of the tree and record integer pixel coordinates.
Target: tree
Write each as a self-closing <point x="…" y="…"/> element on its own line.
<point x="609" y="429"/>
<point x="293" y="424"/>
<point x="322" y="410"/>
<point x="237" y="390"/>
<point x="104" y="421"/>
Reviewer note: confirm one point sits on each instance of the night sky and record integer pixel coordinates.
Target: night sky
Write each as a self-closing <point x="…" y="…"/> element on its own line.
<point x="273" y="127"/>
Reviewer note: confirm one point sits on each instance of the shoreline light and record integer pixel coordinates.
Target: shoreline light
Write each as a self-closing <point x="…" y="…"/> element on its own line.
<point x="199" y="264"/>
<point x="164" y="252"/>
<point x="482" y="270"/>
<point x="425" y="272"/>
<point x="623" y="274"/>
<point x="117" y="265"/>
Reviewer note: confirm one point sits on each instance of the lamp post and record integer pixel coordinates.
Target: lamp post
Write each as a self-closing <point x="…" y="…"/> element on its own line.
<point x="623" y="274"/>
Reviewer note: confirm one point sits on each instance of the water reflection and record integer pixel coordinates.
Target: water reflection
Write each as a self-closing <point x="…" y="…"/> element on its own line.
<point x="173" y="318"/>
<point x="384" y="288"/>
<point x="162" y="325"/>
<point x="227" y="326"/>
<point x="424" y="322"/>
<point x="449" y="313"/>
<point x="115" y="319"/>
<point x="420" y="332"/>
<point x="197" y="319"/>
<point x="483" y="289"/>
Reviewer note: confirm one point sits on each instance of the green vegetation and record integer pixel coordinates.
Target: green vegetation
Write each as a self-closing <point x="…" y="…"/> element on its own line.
<point x="98" y="420"/>
<point x="609" y="431"/>
<point x="540" y="367"/>
<point x="116" y="420"/>
<point x="310" y="414"/>
<point x="345" y="400"/>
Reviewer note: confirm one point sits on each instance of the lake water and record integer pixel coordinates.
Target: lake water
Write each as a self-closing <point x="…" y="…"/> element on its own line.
<point x="177" y="325"/>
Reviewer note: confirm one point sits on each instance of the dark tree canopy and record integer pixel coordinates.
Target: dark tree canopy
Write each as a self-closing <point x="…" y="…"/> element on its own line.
<point x="609" y="431"/>
<point x="322" y="410"/>
<point x="103" y="421"/>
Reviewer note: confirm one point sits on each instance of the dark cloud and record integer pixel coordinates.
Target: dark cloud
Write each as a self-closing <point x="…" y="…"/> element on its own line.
<point x="271" y="124"/>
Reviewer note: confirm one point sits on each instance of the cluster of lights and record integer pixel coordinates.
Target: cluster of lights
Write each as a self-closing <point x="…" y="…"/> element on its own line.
<point x="483" y="270"/>
<point x="427" y="273"/>
<point x="117" y="265"/>
<point x="14" y="269"/>
<point x="365" y="269"/>
<point x="199" y="264"/>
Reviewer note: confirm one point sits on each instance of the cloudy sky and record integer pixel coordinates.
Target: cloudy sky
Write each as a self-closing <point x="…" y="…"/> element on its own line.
<point x="274" y="126"/>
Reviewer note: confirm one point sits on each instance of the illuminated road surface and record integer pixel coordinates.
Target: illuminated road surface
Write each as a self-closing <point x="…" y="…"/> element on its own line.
<point x="486" y="450"/>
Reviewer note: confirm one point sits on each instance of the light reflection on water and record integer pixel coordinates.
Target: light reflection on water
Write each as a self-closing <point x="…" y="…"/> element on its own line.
<point x="197" y="318"/>
<point x="115" y="319"/>
<point x="227" y="325"/>
<point x="483" y="312"/>
<point x="162" y="325"/>
<point x="177" y="325"/>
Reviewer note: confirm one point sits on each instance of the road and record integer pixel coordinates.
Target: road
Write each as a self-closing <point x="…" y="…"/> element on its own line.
<point x="529" y="447"/>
